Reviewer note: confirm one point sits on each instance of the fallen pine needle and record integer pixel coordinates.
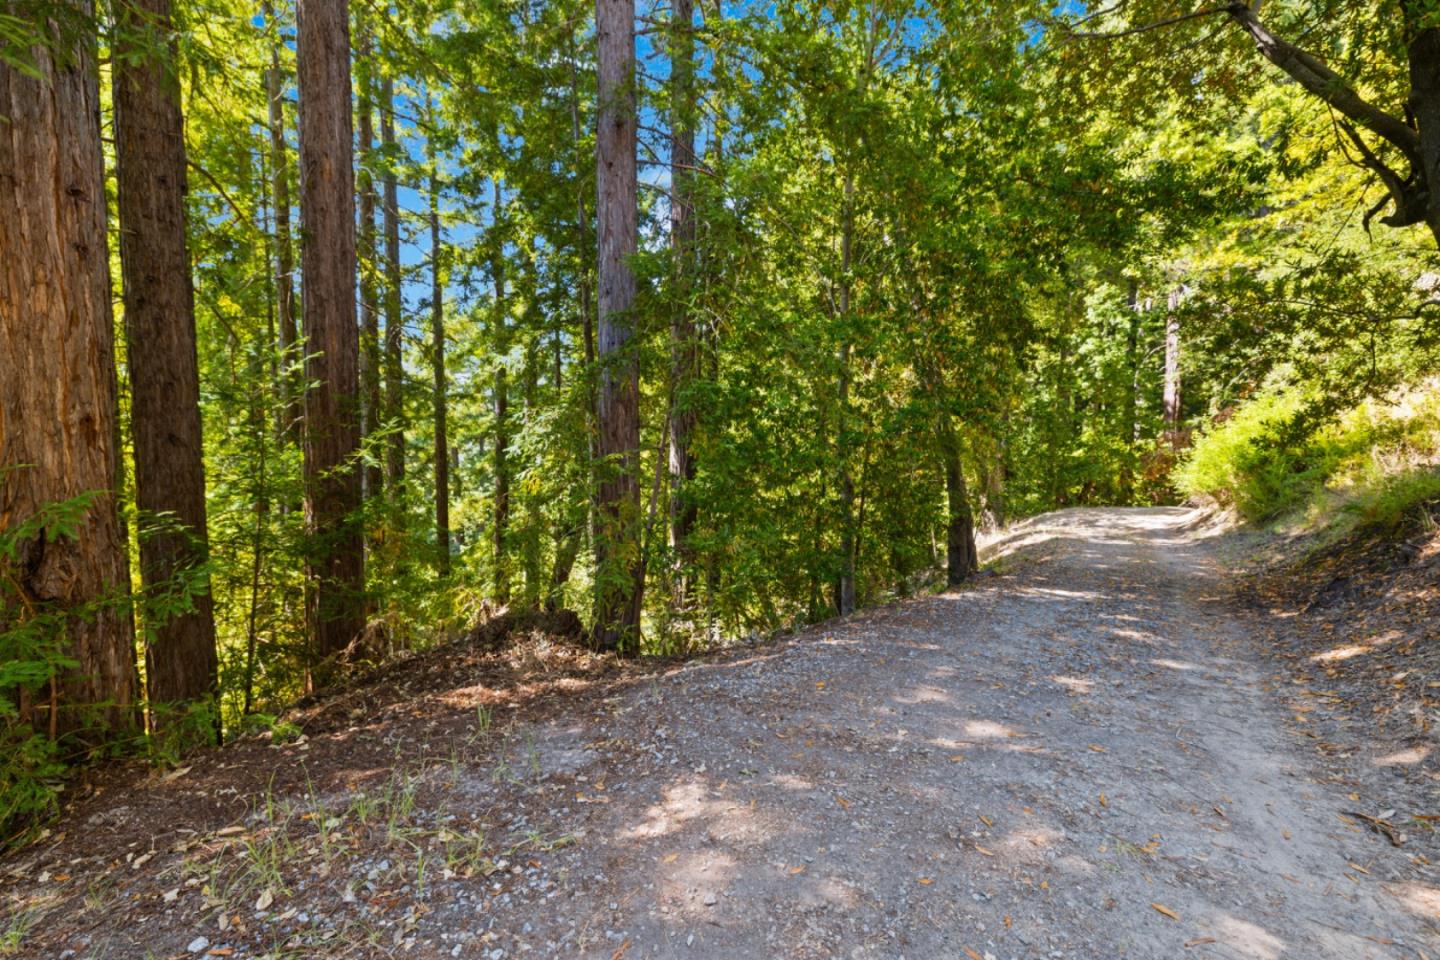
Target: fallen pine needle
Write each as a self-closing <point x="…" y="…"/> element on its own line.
<point x="1161" y="908"/>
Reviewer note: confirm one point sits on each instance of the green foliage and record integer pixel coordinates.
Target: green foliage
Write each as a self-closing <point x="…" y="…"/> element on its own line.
<point x="1370" y="467"/>
<point x="920" y="228"/>
<point x="32" y="657"/>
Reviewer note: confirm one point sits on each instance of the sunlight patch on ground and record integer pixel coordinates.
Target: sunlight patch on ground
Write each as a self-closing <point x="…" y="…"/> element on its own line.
<point x="463" y="698"/>
<point x="924" y="694"/>
<point x="1136" y="636"/>
<point x="1403" y="757"/>
<point x="1421" y="899"/>
<point x="1057" y="592"/>
<point x="1345" y="652"/>
<point x="690" y="878"/>
<point x="1248" y="939"/>
<point x="989" y="730"/>
<point x="1029" y="844"/>
<point x="682" y="803"/>
<point x="1173" y="664"/>
<point x="1074" y="684"/>
<point x="790" y="781"/>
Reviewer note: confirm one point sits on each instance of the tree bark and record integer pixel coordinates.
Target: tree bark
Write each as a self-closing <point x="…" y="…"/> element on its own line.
<point x="1171" y="397"/>
<point x="181" y="663"/>
<point x="371" y="415"/>
<point x="289" y="407"/>
<point x="1131" y="424"/>
<point x="58" y="390"/>
<point x="1415" y="132"/>
<point x="394" y="308"/>
<point x="617" y="542"/>
<point x="500" y="399"/>
<point x="960" y="554"/>
<point x="684" y="348"/>
<point x="437" y="364"/>
<point x="845" y="594"/>
<point x="334" y="602"/>
<point x="1424" y="106"/>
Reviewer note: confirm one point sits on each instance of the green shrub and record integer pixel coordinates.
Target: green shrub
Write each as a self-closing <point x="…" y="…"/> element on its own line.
<point x="1246" y="461"/>
<point x="32" y="655"/>
<point x="1371" y="465"/>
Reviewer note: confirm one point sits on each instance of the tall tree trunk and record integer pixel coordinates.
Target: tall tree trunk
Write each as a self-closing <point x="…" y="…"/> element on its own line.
<point x="1132" y="418"/>
<point x="500" y="397"/>
<point x="327" y="250"/>
<point x="617" y="542"/>
<point x="370" y="411"/>
<point x="1171" y="400"/>
<point x="181" y="664"/>
<point x="394" y="307"/>
<point x="289" y="407"/>
<point x="583" y="241"/>
<point x="684" y="349"/>
<point x="960" y="554"/>
<point x="529" y="526"/>
<point x="845" y="594"/>
<point x="57" y="390"/>
<point x="437" y="365"/>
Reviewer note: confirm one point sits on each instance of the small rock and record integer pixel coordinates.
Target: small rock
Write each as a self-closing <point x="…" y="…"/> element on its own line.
<point x="198" y="944"/>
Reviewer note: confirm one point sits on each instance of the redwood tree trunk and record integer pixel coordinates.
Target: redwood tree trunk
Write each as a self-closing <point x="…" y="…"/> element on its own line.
<point x="845" y="593"/>
<point x="617" y="540"/>
<point x="181" y="664"/>
<point x="1171" y="399"/>
<point x="960" y="554"/>
<point x="437" y="362"/>
<point x="394" y="315"/>
<point x="1131" y="423"/>
<point x="500" y="398"/>
<point x="289" y="415"/>
<point x="334" y="601"/>
<point x="370" y="411"/>
<point x="57" y="379"/>
<point x="684" y="352"/>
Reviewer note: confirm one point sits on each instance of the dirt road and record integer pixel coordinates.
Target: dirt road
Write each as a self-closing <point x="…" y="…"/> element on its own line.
<point x="1074" y="759"/>
<point x="1081" y="757"/>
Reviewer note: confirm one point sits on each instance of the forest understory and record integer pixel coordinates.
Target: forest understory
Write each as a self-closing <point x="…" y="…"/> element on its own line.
<point x="1147" y="735"/>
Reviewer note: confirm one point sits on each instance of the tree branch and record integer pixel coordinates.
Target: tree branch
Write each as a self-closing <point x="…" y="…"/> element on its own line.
<point x="1147" y="27"/>
<point x="1320" y="80"/>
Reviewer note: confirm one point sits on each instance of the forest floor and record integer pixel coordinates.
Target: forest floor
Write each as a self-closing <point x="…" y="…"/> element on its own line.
<point x="1105" y="750"/>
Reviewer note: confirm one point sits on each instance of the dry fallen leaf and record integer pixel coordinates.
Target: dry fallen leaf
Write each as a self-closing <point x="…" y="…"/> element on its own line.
<point x="1198" y="941"/>
<point x="1098" y="749"/>
<point x="799" y="869"/>
<point x="924" y="881"/>
<point x="1161" y="908"/>
<point x="265" y="899"/>
<point x="982" y="850"/>
<point x="972" y="954"/>
<point x="986" y="820"/>
<point x="670" y="858"/>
